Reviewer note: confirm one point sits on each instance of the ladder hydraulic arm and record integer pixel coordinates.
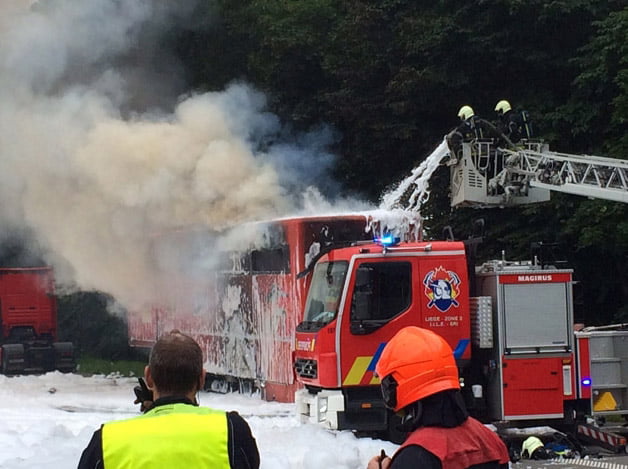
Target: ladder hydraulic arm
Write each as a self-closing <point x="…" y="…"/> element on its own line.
<point x="586" y="175"/>
<point x="483" y="175"/>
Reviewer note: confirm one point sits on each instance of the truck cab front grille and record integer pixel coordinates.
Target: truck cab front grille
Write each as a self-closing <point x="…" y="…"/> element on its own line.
<point x="306" y="368"/>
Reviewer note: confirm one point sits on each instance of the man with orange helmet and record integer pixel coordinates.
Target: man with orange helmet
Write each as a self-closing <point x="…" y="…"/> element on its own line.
<point x="419" y="380"/>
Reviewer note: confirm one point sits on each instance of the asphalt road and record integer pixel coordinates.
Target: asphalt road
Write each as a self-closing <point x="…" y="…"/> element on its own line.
<point x="601" y="460"/>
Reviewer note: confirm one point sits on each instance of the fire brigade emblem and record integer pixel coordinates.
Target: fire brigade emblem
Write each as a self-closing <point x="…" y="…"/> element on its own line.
<point x="442" y="287"/>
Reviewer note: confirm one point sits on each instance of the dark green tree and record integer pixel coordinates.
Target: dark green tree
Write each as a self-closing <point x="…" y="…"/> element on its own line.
<point x="85" y="319"/>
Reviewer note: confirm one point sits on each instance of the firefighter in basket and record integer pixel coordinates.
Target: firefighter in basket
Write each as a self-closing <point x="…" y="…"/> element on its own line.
<point x="472" y="128"/>
<point x="419" y="381"/>
<point x="515" y="125"/>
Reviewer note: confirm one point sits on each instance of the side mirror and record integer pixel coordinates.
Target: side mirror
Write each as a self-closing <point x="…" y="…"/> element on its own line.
<point x="361" y="305"/>
<point x="362" y="278"/>
<point x="362" y="295"/>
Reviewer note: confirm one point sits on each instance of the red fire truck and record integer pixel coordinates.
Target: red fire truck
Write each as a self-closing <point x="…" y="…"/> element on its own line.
<point x="510" y="324"/>
<point x="517" y="359"/>
<point x="28" y="323"/>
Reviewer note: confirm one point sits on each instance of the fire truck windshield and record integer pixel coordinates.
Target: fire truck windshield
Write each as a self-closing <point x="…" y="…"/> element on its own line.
<point x="324" y="295"/>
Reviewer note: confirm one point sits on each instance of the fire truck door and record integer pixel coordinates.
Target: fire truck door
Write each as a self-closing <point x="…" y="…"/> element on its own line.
<point x="378" y="303"/>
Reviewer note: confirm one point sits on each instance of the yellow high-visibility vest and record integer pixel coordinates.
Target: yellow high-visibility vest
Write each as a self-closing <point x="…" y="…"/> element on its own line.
<point x="168" y="436"/>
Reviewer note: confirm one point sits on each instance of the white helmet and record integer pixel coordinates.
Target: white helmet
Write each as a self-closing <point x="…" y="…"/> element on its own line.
<point x="465" y="112"/>
<point x="502" y="107"/>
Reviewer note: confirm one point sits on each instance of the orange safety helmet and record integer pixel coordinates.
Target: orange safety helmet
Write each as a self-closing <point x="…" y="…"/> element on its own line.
<point x="415" y="363"/>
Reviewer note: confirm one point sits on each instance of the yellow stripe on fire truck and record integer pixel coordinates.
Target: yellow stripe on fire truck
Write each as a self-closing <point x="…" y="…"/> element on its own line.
<point x="363" y="369"/>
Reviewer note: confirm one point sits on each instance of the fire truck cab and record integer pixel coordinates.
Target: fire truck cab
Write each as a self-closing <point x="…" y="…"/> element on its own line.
<point x="359" y="298"/>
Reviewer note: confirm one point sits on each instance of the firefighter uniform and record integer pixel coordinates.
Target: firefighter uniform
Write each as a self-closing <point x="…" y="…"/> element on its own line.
<point x="514" y="125"/>
<point x="174" y="433"/>
<point x="419" y="380"/>
<point x="471" y="128"/>
<point x="470" y="444"/>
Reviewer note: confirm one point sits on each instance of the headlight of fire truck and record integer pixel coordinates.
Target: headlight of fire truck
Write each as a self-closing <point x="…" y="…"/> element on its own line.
<point x="322" y="409"/>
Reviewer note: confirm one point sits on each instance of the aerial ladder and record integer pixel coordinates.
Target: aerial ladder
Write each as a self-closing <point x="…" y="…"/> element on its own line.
<point x="483" y="175"/>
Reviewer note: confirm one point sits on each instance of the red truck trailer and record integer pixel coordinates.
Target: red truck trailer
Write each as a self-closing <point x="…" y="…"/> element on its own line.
<point x="241" y="294"/>
<point x="28" y="323"/>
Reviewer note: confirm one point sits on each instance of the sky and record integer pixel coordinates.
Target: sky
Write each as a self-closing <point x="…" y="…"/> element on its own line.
<point x="47" y="420"/>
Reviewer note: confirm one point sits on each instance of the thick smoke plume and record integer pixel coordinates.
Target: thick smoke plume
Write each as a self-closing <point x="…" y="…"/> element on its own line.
<point x="101" y="146"/>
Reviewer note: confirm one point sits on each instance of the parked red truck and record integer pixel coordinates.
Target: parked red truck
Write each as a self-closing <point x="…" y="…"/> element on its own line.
<point x="28" y="323"/>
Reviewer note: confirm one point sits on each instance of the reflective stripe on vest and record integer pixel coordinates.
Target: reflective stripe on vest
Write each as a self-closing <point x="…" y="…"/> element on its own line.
<point x="168" y="436"/>
<point x="461" y="447"/>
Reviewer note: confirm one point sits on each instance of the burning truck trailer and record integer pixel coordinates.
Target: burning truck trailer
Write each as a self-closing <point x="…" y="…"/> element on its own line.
<point x="241" y="295"/>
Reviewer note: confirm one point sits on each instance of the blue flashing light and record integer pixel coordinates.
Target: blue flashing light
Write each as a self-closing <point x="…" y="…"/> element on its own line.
<point x="388" y="240"/>
<point x="586" y="381"/>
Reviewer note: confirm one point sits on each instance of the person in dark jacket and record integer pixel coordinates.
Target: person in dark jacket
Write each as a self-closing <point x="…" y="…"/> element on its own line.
<point x="419" y="379"/>
<point x="174" y="431"/>
<point x="512" y="124"/>
<point x="471" y="128"/>
<point x="464" y="132"/>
